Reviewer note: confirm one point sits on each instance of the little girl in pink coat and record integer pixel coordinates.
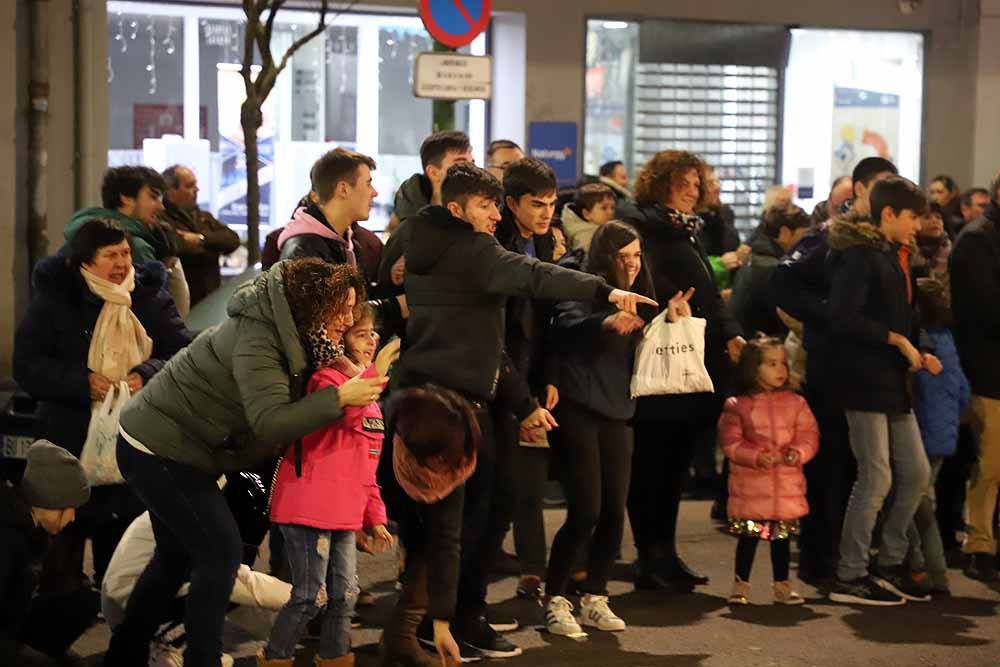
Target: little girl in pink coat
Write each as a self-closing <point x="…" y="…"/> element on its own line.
<point x="767" y="434"/>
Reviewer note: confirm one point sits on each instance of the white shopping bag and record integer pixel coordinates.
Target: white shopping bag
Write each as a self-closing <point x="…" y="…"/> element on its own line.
<point x="670" y="358"/>
<point x="99" y="458"/>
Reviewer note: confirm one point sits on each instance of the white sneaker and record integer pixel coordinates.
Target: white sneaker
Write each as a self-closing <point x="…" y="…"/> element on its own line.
<point x="167" y="655"/>
<point x="594" y="611"/>
<point x="559" y="617"/>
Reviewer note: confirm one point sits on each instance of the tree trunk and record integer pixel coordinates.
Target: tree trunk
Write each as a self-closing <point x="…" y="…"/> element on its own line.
<point x="250" y="119"/>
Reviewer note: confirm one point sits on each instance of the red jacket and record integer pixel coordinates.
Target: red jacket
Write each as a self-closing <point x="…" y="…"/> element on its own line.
<point x="337" y="489"/>
<point x="767" y="423"/>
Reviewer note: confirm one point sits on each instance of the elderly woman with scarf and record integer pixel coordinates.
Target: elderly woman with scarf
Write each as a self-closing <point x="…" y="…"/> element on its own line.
<point x="94" y="321"/>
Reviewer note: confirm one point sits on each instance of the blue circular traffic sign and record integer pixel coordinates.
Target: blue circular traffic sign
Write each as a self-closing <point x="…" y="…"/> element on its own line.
<point x="455" y="23"/>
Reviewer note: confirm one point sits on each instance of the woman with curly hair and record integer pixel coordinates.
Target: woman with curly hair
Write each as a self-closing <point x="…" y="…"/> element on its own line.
<point x="668" y="190"/>
<point x="231" y="400"/>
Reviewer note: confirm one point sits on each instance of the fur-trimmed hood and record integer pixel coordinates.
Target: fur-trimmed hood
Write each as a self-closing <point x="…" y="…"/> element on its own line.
<point x="856" y="229"/>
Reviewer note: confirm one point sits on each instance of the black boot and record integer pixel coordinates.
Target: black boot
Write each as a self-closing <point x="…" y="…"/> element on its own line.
<point x="980" y="567"/>
<point x="650" y="574"/>
<point x="676" y="570"/>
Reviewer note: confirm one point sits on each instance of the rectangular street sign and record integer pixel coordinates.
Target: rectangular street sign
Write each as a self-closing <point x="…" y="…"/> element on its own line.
<point x="453" y="76"/>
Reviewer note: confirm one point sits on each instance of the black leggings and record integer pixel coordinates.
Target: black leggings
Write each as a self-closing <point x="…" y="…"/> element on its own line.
<point x="780" y="556"/>
<point x="661" y="467"/>
<point x="596" y="456"/>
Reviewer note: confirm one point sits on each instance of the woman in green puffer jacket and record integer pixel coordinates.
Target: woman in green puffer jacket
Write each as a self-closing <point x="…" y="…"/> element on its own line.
<point x="231" y="400"/>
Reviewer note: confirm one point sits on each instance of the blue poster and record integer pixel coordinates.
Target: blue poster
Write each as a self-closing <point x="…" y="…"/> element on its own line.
<point x="555" y="144"/>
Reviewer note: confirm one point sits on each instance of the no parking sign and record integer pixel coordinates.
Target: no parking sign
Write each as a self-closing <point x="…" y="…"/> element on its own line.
<point x="455" y="23"/>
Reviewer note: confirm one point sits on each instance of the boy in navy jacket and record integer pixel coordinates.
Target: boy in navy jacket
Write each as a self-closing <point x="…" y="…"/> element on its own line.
<point x="872" y="332"/>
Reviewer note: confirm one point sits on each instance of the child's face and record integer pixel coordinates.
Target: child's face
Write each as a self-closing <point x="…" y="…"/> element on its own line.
<point x="601" y="212"/>
<point x="361" y="342"/>
<point x="773" y="371"/>
<point x="932" y="226"/>
<point x="900" y="228"/>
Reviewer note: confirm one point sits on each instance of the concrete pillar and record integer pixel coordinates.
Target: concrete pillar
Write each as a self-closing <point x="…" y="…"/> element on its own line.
<point x="986" y="144"/>
<point x="14" y="269"/>
<point x="93" y="109"/>
<point x="60" y="186"/>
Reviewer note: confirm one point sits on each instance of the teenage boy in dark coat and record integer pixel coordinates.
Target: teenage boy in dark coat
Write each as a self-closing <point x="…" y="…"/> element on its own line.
<point x="530" y="189"/>
<point x="457" y="281"/>
<point x="800" y="286"/>
<point x="34" y="625"/>
<point x="872" y="328"/>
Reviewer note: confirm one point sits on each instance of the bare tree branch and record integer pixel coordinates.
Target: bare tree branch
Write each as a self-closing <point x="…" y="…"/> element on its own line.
<point x="269" y="28"/>
<point x="297" y="44"/>
<point x="248" y="40"/>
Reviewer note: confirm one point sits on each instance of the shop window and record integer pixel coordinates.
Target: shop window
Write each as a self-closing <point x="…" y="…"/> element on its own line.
<point x="867" y="101"/>
<point x="350" y="86"/>
<point x="612" y="52"/>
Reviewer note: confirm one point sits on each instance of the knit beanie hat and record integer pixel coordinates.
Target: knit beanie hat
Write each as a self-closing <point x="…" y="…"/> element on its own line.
<point x="53" y="478"/>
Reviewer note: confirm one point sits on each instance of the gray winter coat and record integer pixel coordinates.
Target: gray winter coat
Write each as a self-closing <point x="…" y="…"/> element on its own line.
<point x="236" y="396"/>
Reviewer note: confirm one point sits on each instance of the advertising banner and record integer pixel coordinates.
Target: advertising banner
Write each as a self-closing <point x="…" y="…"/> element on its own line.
<point x="865" y="124"/>
<point x="555" y="144"/>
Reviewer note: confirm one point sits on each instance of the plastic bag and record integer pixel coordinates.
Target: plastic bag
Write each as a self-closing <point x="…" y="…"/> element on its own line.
<point x="99" y="457"/>
<point x="670" y="359"/>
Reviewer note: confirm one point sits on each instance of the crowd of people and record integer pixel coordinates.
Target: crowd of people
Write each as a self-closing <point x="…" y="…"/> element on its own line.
<point x="423" y="393"/>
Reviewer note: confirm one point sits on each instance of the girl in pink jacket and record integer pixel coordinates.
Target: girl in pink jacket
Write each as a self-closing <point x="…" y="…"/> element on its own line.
<point x="336" y="495"/>
<point x="767" y="434"/>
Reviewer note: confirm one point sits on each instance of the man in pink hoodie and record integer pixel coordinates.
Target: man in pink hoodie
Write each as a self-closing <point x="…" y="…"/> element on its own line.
<point x="342" y="193"/>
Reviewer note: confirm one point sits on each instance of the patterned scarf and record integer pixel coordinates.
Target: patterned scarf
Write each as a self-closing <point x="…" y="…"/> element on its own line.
<point x="689" y="223"/>
<point x="322" y="349"/>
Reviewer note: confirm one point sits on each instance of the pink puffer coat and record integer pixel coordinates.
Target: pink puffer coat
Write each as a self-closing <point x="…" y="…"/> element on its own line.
<point x="767" y="423"/>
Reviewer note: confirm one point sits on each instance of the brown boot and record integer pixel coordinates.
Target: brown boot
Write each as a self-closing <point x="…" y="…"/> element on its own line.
<point x="342" y="661"/>
<point x="264" y="662"/>
<point x="399" y="646"/>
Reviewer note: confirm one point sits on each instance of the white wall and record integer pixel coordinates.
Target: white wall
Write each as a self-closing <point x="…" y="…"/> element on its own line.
<point x="986" y="148"/>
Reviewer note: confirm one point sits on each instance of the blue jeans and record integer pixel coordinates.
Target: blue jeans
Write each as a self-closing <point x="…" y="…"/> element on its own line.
<point x="926" y="546"/>
<point x="891" y="457"/>
<point x="323" y="565"/>
<point x="197" y="540"/>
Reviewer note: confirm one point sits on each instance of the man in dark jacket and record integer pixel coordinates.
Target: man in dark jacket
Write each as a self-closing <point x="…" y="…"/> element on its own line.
<point x="975" y="298"/>
<point x="872" y="326"/>
<point x="800" y="286"/>
<point x="438" y="153"/>
<point x="34" y="625"/>
<point x="203" y="239"/>
<point x="752" y="303"/>
<point x="457" y="281"/>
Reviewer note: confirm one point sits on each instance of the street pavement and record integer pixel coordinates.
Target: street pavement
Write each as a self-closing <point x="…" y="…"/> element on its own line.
<point x="696" y="630"/>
